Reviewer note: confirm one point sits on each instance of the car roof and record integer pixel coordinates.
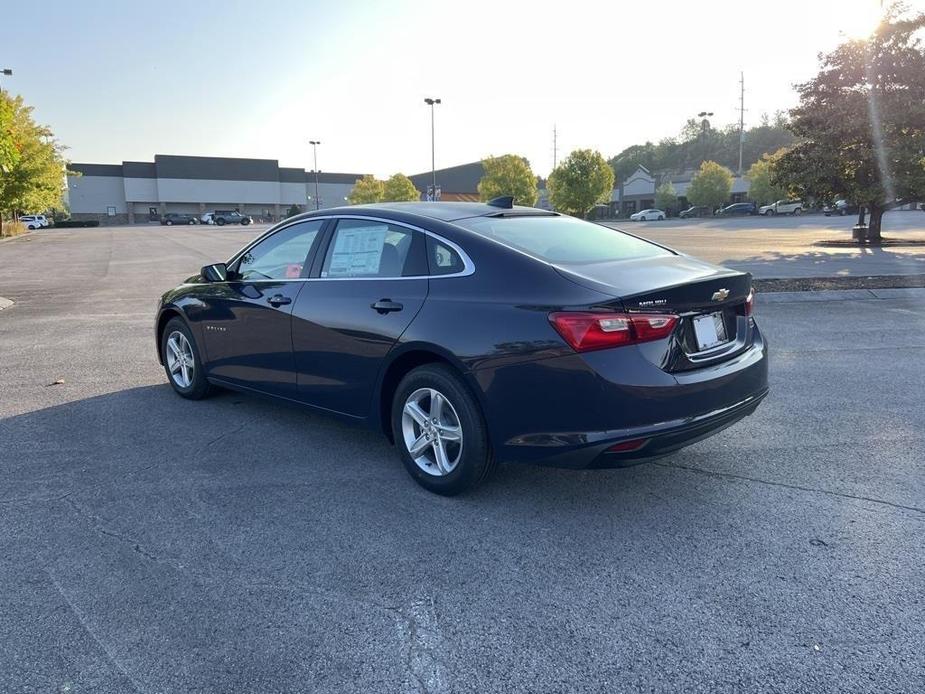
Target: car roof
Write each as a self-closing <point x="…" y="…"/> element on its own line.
<point x="443" y="211"/>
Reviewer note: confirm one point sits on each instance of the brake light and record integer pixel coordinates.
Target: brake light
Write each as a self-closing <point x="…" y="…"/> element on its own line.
<point x="750" y="302"/>
<point x="586" y="331"/>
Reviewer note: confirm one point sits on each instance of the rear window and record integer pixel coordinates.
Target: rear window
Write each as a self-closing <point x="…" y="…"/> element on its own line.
<point x="562" y="239"/>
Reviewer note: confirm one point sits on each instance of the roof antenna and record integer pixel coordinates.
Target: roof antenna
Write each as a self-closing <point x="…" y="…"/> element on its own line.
<point x="505" y="202"/>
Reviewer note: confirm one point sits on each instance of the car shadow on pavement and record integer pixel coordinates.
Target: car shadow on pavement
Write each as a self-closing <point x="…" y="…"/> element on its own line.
<point x="147" y="437"/>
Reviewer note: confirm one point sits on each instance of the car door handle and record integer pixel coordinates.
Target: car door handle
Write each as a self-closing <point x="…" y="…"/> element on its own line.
<point x="279" y="300"/>
<point x="386" y="305"/>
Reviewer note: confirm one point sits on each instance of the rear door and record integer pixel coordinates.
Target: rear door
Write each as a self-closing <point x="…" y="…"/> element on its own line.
<point x="366" y="289"/>
<point x="247" y="321"/>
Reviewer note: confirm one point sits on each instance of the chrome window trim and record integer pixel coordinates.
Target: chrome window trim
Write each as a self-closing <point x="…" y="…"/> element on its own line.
<point x="468" y="265"/>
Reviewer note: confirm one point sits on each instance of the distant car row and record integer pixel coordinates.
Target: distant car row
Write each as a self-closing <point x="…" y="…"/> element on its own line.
<point x="794" y="207"/>
<point x="217" y="217"/>
<point x="35" y="221"/>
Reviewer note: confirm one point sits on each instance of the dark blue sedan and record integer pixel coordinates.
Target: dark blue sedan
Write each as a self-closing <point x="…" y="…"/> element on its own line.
<point x="474" y="333"/>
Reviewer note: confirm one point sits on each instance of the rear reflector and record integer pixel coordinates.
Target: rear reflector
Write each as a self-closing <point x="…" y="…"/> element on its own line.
<point x="627" y="446"/>
<point x="586" y="331"/>
<point x="750" y="302"/>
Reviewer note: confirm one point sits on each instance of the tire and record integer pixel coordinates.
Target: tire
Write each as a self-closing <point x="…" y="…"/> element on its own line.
<point x="842" y="212"/>
<point x="169" y="223"/>
<point x="467" y="463"/>
<point x="661" y="218"/>
<point x="30" y="227"/>
<point x="797" y="212"/>
<point x="191" y="222"/>
<point x="245" y="222"/>
<point x="191" y="382"/>
<point x="220" y="222"/>
<point x="770" y="213"/>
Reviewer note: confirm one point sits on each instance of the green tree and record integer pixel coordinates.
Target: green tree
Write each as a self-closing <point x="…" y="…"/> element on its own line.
<point x="293" y="211"/>
<point x="760" y="188"/>
<point x="666" y="197"/>
<point x="710" y="186"/>
<point x="32" y="167"/>
<point x="862" y="121"/>
<point x="399" y="188"/>
<point x="366" y="190"/>
<point x="508" y="174"/>
<point x="581" y="181"/>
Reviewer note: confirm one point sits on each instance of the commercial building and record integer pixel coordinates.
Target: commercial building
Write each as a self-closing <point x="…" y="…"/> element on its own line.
<point x="637" y="192"/>
<point x="134" y="192"/>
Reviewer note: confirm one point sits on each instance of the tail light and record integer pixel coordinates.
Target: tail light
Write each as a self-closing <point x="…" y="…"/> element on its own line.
<point x="750" y="302"/>
<point x="586" y="331"/>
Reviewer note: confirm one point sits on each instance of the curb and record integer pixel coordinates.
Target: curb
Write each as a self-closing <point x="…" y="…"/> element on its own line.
<point x="840" y="295"/>
<point x="5" y="303"/>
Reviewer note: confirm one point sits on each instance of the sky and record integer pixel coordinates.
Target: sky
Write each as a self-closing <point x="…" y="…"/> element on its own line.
<point x="128" y="80"/>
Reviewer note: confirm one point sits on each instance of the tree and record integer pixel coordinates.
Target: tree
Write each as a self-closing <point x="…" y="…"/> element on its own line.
<point x="710" y="186"/>
<point x="399" y="188"/>
<point x="293" y="211"/>
<point x="508" y="174"/>
<point x="581" y="181"/>
<point x="760" y="189"/>
<point x="366" y="190"/>
<point x="666" y="197"/>
<point x="862" y="120"/>
<point x="32" y="167"/>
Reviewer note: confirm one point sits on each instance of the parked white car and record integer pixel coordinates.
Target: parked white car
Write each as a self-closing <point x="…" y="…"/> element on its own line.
<point x="782" y="207"/>
<point x="35" y="221"/>
<point x="647" y="216"/>
<point x="207" y="218"/>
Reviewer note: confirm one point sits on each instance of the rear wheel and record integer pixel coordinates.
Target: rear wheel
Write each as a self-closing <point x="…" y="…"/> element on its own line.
<point x="182" y="361"/>
<point x="220" y="222"/>
<point x="797" y="212"/>
<point x="439" y="431"/>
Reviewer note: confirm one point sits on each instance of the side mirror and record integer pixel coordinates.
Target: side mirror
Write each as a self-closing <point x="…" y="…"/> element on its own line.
<point x="217" y="272"/>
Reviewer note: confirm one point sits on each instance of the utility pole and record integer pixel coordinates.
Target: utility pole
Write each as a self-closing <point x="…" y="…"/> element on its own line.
<point x="741" y="118"/>
<point x="433" y="166"/>
<point x="555" y="147"/>
<point x="314" y="144"/>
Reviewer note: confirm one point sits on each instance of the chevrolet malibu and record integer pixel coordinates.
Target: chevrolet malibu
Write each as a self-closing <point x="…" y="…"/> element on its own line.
<point x="473" y="333"/>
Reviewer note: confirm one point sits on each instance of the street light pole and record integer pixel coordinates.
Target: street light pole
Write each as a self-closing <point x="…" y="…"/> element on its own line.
<point x="6" y="72"/>
<point x="314" y="144"/>
<point x="433" y="167"/>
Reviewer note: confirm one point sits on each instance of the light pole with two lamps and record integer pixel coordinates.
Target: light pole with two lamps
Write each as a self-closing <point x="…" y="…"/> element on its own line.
<point x="433" y="168"/>
<point x="314" y="144"/>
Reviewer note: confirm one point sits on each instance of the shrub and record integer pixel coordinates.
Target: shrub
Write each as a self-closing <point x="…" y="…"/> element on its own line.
<point x="12" y="229"/>
<point x="76" y="224"/>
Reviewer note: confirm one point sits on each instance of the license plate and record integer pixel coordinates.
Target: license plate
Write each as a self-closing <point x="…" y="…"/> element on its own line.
<point x="710" y="330"/>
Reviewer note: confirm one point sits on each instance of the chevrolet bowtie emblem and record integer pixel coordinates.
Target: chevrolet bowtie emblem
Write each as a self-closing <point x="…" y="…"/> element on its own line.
<point x="720" y="295"/>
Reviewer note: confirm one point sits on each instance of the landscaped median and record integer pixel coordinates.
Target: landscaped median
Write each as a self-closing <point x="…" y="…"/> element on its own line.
<point x="816" y="284"/>
<point x="11" y="229"/>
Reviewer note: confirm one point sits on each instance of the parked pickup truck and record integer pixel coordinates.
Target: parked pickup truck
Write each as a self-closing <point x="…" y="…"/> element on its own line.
<point x="782" y="207"/>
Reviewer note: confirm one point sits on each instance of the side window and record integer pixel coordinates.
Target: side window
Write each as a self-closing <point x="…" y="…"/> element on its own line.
<point x="362" y="248"/>
<point x="441" y="259"/>
<point x="281" y="256"/>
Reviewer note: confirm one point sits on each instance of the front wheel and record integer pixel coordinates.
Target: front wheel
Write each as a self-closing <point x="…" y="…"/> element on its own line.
<point x="439" y="431"/>
<point x="661" y="218"/>
<point x="182" y="361"/>
<point x="220" y="222"/>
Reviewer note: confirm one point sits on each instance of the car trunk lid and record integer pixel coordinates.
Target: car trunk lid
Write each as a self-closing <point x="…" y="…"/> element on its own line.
<point x="710" y="300"/>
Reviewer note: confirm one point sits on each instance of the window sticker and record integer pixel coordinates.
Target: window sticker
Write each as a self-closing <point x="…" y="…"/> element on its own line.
<point x="357" y="251"/>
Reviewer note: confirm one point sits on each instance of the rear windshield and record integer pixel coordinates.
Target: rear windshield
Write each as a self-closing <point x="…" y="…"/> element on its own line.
<point x="561" y="239"/>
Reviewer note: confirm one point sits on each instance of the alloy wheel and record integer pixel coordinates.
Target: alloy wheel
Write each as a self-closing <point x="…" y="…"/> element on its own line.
<point x="432" y="432"/>
<point x="180" y="360"/>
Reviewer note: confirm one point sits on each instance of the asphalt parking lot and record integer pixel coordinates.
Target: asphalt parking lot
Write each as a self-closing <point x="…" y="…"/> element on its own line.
<point x="152" y="544"/>
<point x="787" y="246"/>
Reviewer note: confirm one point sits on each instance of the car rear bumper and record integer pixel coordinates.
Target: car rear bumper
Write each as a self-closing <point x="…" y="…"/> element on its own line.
<point x="568" y="411"/>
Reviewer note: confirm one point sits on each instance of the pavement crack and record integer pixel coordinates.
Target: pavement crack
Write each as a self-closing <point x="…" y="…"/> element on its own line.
<point x="786" y="485"/>
<point x="136" y="685"/>
<point x="99" y="526"/>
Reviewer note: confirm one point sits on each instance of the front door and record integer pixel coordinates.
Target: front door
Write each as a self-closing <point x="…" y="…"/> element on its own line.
<point x="370" y="286"/>
<point x="247" y="325"/>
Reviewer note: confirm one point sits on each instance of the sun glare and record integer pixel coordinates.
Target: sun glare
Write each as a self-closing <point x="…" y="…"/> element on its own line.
<point x="857" y="19"/>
